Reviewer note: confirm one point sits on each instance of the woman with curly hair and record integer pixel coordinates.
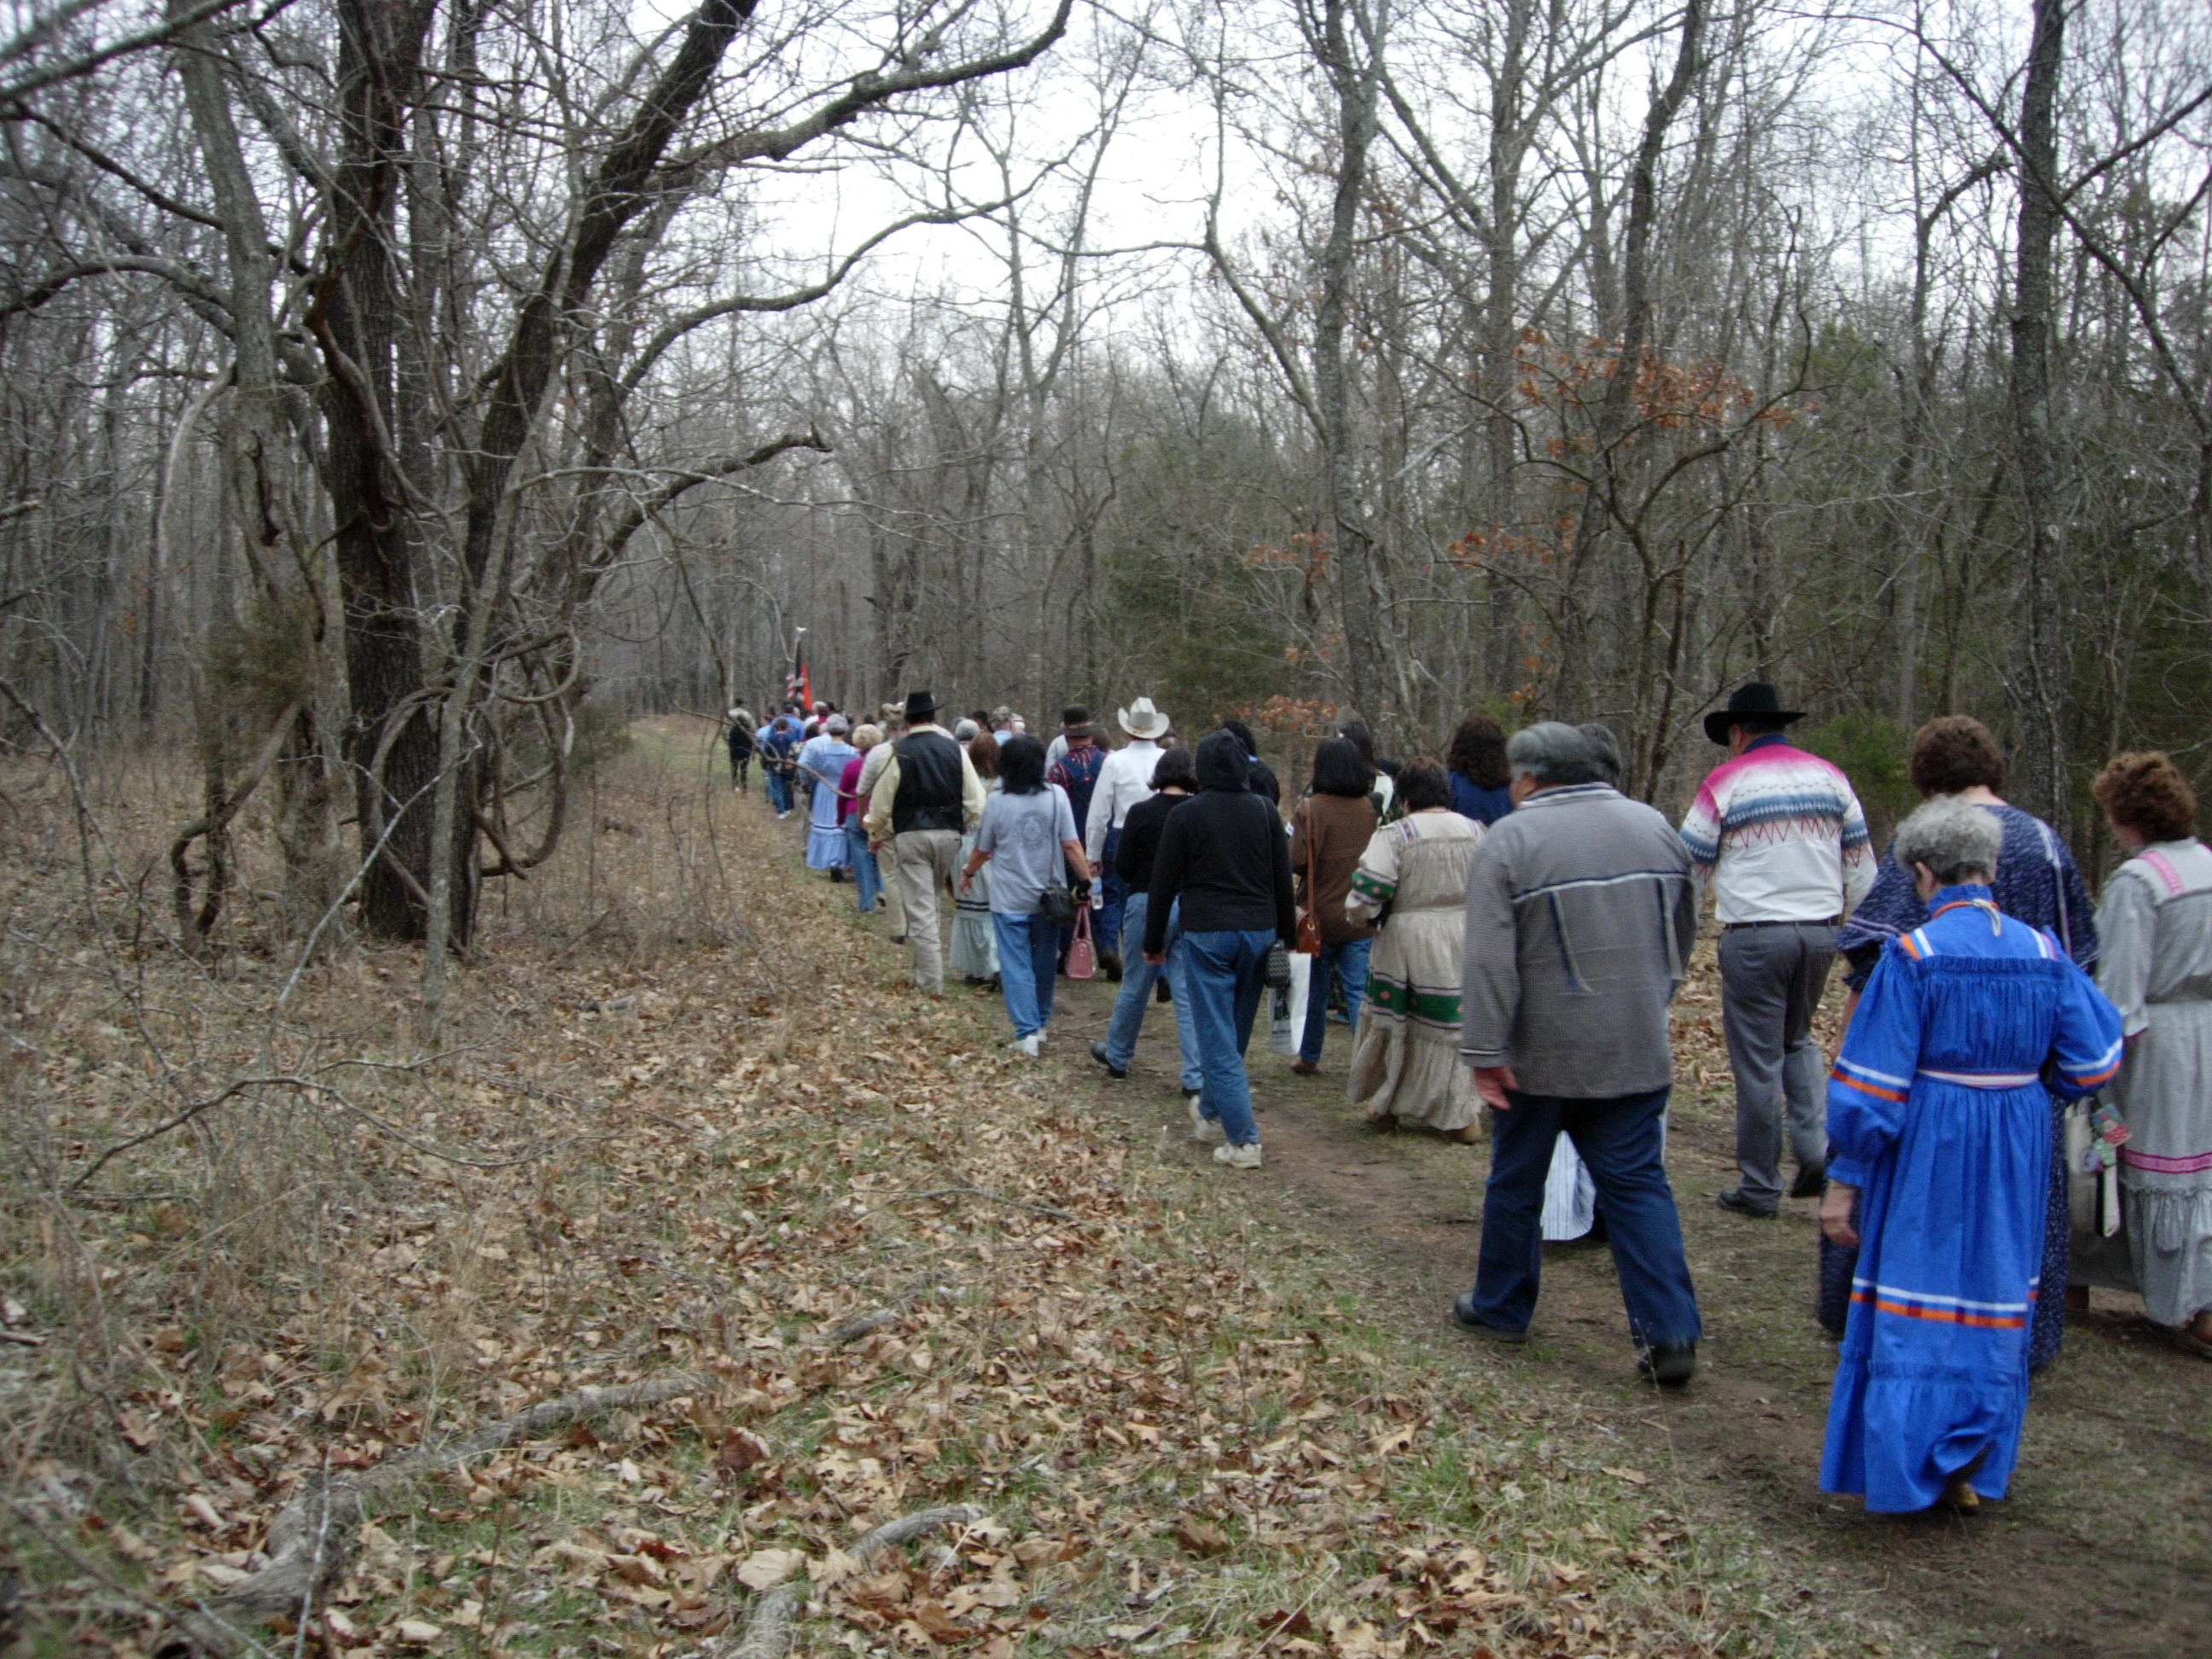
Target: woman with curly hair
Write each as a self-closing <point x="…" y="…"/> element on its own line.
<point x="1478" y="778"/>
<point x="2034" y="882"/>
<point x="2156" y="924"/>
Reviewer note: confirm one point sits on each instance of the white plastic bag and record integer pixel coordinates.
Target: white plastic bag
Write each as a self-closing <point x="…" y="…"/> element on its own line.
<point x="1286" y="1010"/>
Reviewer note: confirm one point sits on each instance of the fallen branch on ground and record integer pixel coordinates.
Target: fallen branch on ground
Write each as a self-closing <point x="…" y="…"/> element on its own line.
<point x="976" y="1192"/>
<point x="768" y="1631"/>
<point x="849" y="1331"/>
<point x="313" y="1536"/>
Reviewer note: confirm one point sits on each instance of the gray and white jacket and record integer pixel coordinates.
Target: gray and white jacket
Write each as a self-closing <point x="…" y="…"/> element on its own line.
<point x="1580" y="919"/>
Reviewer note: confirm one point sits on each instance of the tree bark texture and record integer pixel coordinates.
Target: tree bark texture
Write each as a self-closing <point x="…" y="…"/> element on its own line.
<point x="1354" y="87"/>
<point x="2039" y="666"/>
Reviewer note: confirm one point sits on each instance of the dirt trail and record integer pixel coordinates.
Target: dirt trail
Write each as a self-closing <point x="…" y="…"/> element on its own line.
<point x="2104" y="1549"/>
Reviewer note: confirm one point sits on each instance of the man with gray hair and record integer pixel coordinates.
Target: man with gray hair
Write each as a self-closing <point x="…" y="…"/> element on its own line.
<point x="1580" y="918"/>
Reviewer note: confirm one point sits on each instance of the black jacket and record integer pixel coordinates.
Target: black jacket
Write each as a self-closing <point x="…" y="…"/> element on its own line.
<point x="1223" y="853"/>
<point x="1265" y="784"/>
<point x="1140" y="839"/>
<point x="928" y="795"/>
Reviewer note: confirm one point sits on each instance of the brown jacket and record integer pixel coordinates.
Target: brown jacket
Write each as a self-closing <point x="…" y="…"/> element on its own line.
<point x="1333" y="830"/>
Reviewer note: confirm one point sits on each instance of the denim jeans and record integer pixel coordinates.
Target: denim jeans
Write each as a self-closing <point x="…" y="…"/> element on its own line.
<point x="779" y="788"/>
<point x="1227" y="972"/>
<point x="1620" y="1140"/>
<point x="866" y="876"/>
<point x="1136" y="993"/>
<point x="1029" y="953"/>
<point x="1111" y="919"/>
<point x="1348" y="961"/>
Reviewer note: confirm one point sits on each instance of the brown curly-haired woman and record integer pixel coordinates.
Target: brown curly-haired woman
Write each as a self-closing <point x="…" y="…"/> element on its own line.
<point x="2155" y="921"/>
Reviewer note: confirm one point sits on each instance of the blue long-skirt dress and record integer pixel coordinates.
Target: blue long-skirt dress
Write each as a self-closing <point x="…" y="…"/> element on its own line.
<point x="1938" y="1113"/>
<point x="827" y="846"/>
<point x="2036" y="883"/>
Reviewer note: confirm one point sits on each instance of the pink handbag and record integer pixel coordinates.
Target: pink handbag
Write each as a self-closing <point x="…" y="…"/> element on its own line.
<point x="1082" y="960"/>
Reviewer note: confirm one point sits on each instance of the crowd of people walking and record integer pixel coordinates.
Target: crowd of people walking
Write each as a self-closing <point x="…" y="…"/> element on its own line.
<point x="2020" y="1106"/>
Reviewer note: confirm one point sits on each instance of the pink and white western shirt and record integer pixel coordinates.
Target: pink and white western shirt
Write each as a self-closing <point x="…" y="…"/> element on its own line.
<point x="1779" y="836"/>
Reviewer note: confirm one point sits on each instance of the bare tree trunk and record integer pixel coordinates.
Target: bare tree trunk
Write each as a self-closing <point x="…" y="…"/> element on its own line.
<point x="1354" y="86"/>
<point x="2037" y="670"/>
<point x="1633" y="327"/>
<point x="391" y="740"/>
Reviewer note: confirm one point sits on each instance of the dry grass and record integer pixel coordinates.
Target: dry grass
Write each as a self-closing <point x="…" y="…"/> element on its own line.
<point x="687" y="1117"/>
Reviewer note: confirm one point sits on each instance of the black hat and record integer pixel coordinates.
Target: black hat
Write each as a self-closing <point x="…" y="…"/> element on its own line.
<point x="1756" y="701"/>
<point x="1074" y="715"/>
<point x="919" y="705"/>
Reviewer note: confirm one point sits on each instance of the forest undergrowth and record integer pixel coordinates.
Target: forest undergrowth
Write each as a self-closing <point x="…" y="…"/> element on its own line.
<point x="687" y="1134"/>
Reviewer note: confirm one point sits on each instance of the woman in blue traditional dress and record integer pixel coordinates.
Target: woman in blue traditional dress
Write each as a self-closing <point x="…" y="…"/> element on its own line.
<point x="825" y="757"/>
<point x="1939" y="1131"/>
<point x="2035" y="882"/>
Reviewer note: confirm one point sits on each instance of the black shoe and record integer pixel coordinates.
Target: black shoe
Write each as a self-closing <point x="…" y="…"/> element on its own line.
<point x="1463" y="1315"/>
<point x="1736" y="1203"/>
<point x="1670" y="1364"/>
<point x="1162" y="991"/>
<point x="1811" y="1182"/>
<point x="1098" y="1053"/>
<point x="1110" y="961"/>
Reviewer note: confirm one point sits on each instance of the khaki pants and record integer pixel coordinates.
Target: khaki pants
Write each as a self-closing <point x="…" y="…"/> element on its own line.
<point x="894" y="896"/>
<point x="925" y="860"/>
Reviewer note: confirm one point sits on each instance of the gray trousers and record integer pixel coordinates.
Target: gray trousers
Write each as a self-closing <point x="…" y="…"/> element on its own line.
<point x="924" y="859"/>
<point x="1771" y="979"/>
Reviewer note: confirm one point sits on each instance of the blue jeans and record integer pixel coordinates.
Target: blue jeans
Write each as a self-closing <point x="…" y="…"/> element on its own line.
<point x="779" y="788"/>
<point x="1111" y="919"/>
<point x="866" y="876"/>
<point x="1621" y="1141"/>
<point x="1227" y="972"/>
<point x="1029" y="954"/>
<point x="1136" y="993"/>
<point x="1348" y="961"/>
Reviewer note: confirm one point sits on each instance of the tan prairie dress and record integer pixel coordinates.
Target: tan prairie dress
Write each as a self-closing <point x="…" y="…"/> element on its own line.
<point x="1407" y="1064"/>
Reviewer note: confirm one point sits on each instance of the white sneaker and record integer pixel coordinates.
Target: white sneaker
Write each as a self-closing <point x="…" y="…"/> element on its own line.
<point x="1238" y="1157"/>
<point x="1027" y="1047"/>
<point x="1205" y="1131"/>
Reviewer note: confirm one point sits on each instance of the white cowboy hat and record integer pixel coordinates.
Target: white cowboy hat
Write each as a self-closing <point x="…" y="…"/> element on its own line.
<point x="1141" y="719"/>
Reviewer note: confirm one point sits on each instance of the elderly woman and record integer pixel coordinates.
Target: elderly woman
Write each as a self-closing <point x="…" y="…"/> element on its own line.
<point x="1406" y="1068"/>
<point x="824" y="761"/>
<point x="867" y="876"/>
<point x="2156" y="924"/>
<point x="1939" y="1128"/>
<point x="2035" y="882"/>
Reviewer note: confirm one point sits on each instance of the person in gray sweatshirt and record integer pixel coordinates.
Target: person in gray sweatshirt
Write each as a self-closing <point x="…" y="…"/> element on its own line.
<point x="1580" y="920"/>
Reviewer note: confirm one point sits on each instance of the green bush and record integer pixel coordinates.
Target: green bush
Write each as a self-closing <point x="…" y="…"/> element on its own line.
<point x="1871" y="750"/>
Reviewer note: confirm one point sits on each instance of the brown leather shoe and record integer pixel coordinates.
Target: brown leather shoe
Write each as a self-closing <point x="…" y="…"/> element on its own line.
<point x="1300" y="1068"/>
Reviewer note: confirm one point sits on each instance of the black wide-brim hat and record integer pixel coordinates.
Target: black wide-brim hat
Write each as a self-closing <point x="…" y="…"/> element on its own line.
<point x="1756" y="701"/>
<point x="919" y="705"/>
